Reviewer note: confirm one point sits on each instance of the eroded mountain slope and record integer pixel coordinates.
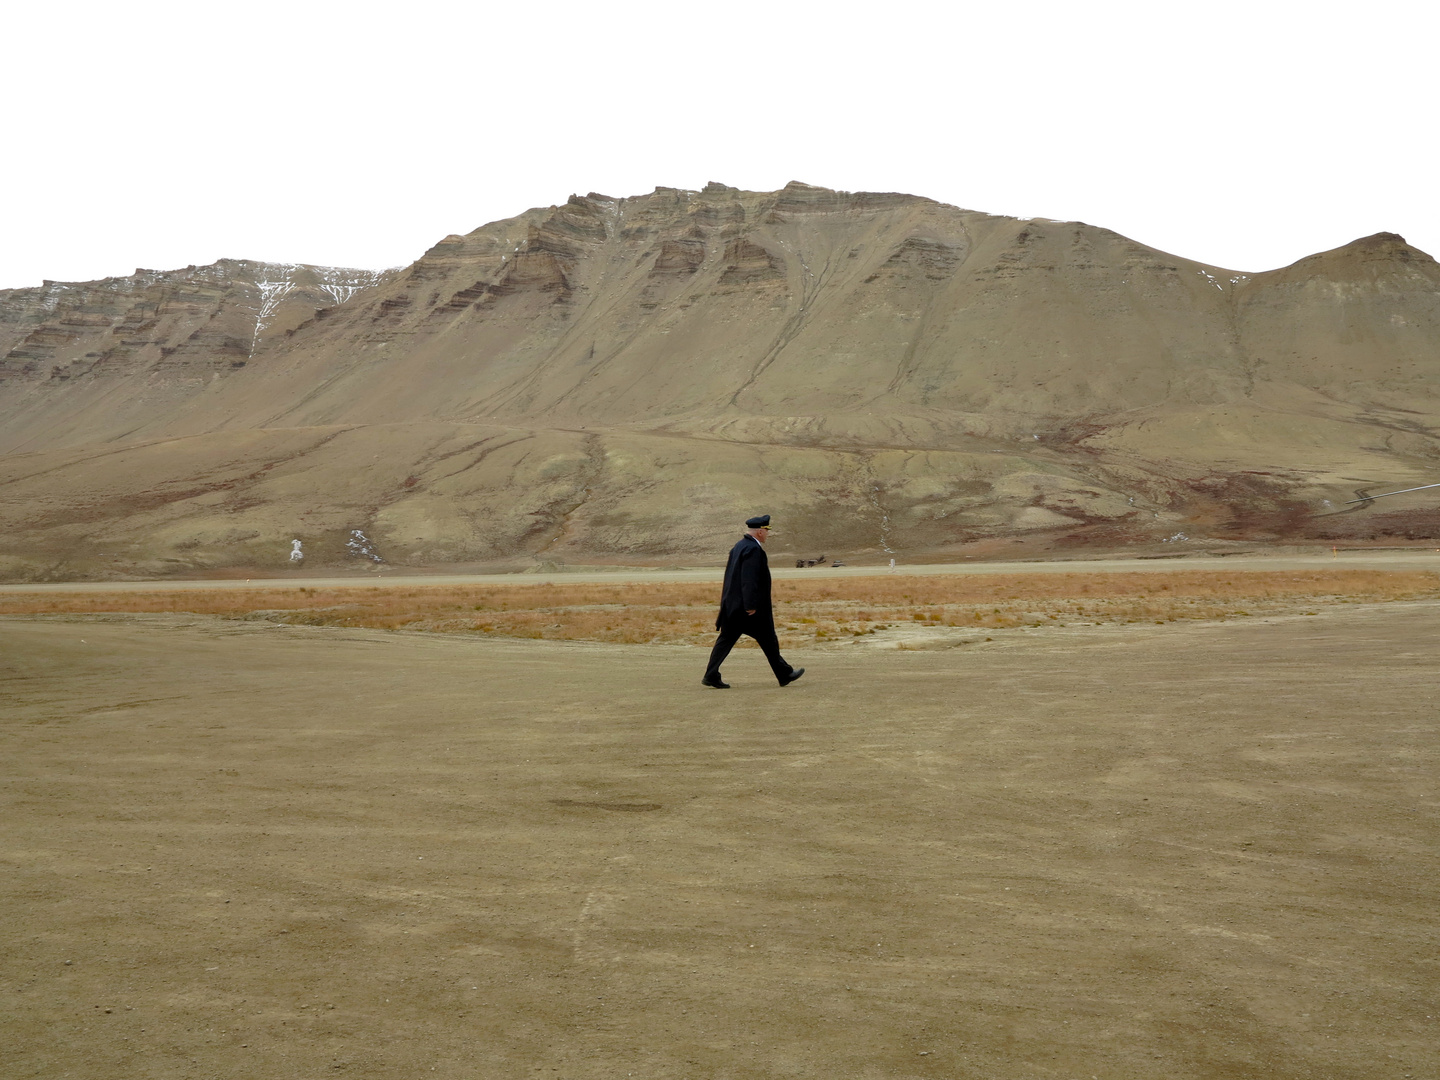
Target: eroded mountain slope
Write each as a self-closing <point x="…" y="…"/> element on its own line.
<point x="622" y="377"/>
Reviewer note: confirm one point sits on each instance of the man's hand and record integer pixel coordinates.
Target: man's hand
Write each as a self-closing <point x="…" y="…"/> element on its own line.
<point x="749" y="613"/>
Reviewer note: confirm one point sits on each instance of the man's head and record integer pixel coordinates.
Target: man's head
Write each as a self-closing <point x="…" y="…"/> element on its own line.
<point x="759" y="527"/>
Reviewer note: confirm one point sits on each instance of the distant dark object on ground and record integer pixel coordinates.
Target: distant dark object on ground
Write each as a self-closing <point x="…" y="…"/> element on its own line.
<point x="801" y="563"/>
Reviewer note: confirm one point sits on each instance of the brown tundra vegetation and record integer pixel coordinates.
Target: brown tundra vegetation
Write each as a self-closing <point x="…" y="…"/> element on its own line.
<point x="806" y="612"/>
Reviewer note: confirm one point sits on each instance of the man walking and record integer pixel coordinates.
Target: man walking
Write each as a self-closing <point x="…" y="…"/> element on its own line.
<point x="745" y="607"/>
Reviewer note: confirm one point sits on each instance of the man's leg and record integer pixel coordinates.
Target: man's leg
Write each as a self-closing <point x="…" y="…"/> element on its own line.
<point x="729" y="634"/>
<point x="763" y="631"/>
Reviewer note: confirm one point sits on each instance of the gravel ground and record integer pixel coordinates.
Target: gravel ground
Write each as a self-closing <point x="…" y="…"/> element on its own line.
<point x="244" y="850"/>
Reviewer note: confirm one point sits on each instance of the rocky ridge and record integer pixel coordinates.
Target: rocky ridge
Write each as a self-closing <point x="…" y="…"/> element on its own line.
<point x="187" y="323"/>
<point x="619" y="378"/>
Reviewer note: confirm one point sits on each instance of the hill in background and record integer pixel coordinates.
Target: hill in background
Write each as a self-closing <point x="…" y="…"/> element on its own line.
<point x="624" y="380"/>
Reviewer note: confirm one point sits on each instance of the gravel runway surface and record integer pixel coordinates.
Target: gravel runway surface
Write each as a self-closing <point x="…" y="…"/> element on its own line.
<point x="245" y="850"/>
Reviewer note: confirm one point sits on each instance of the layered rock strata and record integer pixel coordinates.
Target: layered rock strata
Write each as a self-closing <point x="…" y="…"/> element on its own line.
<point x="620" y="378"/>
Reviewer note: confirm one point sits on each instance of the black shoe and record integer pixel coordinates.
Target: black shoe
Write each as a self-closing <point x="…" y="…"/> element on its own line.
<point x="795" y="673"/>
<point x="714" y="683"/>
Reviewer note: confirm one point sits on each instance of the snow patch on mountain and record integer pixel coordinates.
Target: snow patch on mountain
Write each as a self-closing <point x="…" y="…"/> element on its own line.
<point x="341" y="284"/>
<point x="273" y="290"/>
<point x="275" y="282"/>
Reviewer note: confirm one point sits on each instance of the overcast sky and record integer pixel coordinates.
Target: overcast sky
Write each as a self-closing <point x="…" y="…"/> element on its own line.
<point x="1246" y="135"/>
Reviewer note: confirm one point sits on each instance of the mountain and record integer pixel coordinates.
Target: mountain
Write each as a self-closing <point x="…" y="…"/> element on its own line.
<point x="625" y="379"/>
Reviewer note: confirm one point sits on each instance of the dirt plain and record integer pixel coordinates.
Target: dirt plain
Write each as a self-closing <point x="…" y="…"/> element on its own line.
<point x="1190" y="850"/>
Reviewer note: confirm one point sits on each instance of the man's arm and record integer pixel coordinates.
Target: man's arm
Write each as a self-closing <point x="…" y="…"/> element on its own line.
<point x="749" y="570"/>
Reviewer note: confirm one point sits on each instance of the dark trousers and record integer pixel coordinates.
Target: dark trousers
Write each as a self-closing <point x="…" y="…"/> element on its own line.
<point x="759" y="628"/>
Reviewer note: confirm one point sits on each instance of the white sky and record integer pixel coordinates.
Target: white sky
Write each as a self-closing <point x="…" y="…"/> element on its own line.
<point x="159" y="134"/>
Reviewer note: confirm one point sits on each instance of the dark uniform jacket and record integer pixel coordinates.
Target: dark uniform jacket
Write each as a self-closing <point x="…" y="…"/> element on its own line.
<point x="747" y="583"/>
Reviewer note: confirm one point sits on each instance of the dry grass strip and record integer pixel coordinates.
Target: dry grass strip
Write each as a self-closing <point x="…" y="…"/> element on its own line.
<point x="806" y="611"/>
